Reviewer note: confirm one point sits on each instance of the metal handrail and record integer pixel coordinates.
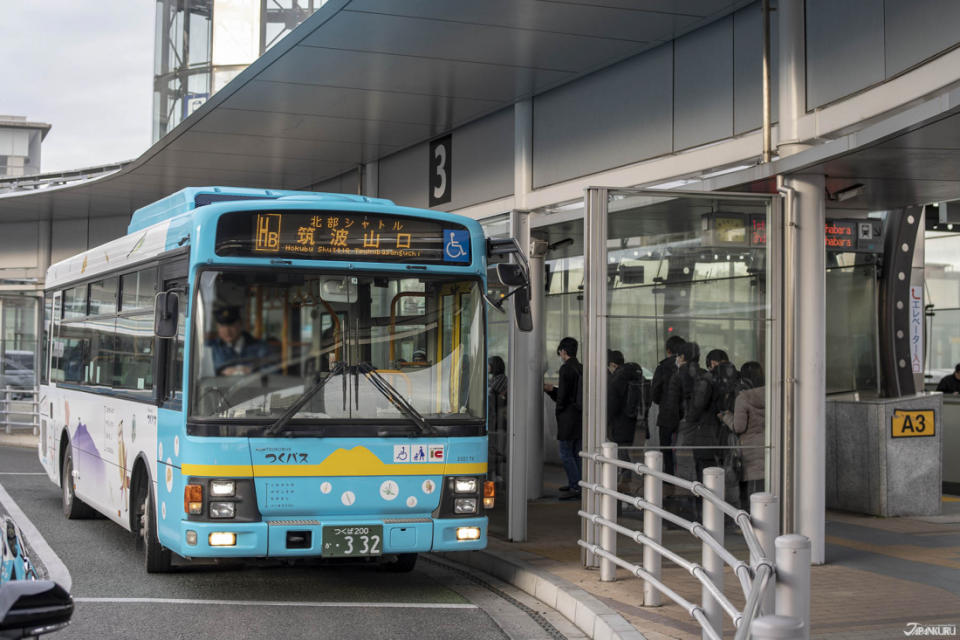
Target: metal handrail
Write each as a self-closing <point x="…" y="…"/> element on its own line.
<point x="755" y="580"/>
<point x="29" y="408"/>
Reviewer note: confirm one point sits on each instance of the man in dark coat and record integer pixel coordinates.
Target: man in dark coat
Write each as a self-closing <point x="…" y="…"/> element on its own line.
<point x="568" y="394"/>
<point x="621" y="423"/>
<point x="699" y="426"/>
<point x="234" y="350"/>
<point x="668" y="414"/>
<point x="950" y="383"/>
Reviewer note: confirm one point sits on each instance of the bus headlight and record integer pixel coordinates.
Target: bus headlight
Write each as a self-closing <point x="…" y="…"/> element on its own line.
<point x="468" y="533"/>
<point x="222" y="509"/>
<point x="465" y="485"/>
<point x="222" y="488"/>
<point x="465" y="505"/>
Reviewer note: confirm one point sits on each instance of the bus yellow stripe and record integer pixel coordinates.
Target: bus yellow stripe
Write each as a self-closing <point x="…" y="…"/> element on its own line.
<point x="324" y="470"/>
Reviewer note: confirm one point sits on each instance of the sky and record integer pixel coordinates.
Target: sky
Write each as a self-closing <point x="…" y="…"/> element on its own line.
<point x="86" y="68"/>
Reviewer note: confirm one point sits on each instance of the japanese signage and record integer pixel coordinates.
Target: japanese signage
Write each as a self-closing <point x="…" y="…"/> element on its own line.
<point x="341" y="235"/>
<point x="916" y="329"/>
<point x="853" y="236"/>
<point x="913" y="424"/>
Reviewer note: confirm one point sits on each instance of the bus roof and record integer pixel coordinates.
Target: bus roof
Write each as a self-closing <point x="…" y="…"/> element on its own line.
<point x="193" y="197"/>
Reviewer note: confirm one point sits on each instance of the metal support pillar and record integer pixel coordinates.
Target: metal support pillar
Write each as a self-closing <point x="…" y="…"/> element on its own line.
<point x="652" y="526"/>
<point x="765" y="516"/>
<point x="593" y="351"/>
<point x="792" y="89"/>
<point x="608" y="510"/>
<point x="809" y="345"/>
<point x="522" y="458"/>
<point x="712" y="562"/>
<point x="793" y="579"/>
<point x="533" y="403"/>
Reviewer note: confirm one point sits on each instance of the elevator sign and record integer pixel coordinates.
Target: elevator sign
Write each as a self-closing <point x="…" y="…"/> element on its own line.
<point x="916" y="329"/>
<point x="913" y="424"/>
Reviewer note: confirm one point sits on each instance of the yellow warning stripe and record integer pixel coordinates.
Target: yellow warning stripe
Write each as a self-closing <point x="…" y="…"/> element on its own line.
<point x="325" y="470"/>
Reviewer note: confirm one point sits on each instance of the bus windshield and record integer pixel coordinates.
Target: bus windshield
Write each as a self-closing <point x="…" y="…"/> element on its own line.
<point x="300" y="347"/>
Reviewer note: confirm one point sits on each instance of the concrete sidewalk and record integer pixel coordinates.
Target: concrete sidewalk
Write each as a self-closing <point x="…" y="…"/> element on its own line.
<point x="880" y="575"/>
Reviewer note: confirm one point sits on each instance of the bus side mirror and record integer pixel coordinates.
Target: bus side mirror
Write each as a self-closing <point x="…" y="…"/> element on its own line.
<point x="521" y="306"/>
<point x="511" y="275"/>
<point x="166" y="313"/>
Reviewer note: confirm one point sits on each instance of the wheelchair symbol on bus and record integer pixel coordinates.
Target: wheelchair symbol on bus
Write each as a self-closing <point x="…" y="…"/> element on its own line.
<point x="456" y="245"/>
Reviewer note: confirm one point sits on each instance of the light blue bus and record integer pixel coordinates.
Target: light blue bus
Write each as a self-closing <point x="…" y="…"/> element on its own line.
<point x="254" y="373"/>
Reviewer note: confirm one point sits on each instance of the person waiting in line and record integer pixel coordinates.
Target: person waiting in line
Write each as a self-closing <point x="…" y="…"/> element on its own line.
<point x="497" y="416"/>
<point x="234" y="350"/>
<point x="950" y="383"/>
<point x="621" y="417"/>
<point x="698" y="428"/>
<point x="666" y="420"/>
<point x="715" y="357"/>
<point x="748" y="424"/>
<point x="568" y="396"/>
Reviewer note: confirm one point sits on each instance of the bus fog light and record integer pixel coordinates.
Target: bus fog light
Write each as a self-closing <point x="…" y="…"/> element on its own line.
<point x="223" y="488"/>
<point x="222" y="509"/>
<point x="191" y="538"/>
<point x="222" y="539"/>
<point x="468" y="533"/>
<point x="488" y="503"/>
<point x="465" y="505"/>
<point x="465" y="485"/>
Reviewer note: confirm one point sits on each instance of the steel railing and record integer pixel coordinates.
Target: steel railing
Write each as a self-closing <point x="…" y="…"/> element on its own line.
<point x="775" y="581"/>
<point x="19" y="409"/>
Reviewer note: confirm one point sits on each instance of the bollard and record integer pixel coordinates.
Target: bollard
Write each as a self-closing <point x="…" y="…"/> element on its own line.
<point x="713" y="563"/>
<point x="765" y="517"/>
<point x="777" y="628"/>
<point x="793" y="579"/>
<point x="608" y="510"/>
<point x="652" y="526"/>
<point x="6" y="408"/>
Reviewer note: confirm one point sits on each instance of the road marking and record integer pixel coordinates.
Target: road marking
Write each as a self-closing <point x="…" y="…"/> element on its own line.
<point x="279" y="603"/>
<point x="56" y="570"/>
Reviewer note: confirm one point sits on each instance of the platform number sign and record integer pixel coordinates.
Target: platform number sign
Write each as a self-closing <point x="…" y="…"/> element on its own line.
<point x="913" y="424"/>
<point x="441" y="170"/>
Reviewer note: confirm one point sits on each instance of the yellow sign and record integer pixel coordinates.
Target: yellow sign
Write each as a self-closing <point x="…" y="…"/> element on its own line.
<point x="912" y="424"/>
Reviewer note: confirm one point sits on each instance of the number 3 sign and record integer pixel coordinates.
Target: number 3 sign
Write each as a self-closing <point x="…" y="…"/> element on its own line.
<point x="441" y="178"/>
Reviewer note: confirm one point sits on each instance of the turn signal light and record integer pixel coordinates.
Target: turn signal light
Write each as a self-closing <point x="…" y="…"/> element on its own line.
<point x="193" y="499"/>
<point x="489" y="494"/>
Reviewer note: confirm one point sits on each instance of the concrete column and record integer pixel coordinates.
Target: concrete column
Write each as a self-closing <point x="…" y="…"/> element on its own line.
<point x="593" y="350"/>
<point x="370" y="185"/>
<point x="522" y="152"/>
<point x="521" y="458"/>
<point x="809" y="444"/>
<point x="792" y="89"/>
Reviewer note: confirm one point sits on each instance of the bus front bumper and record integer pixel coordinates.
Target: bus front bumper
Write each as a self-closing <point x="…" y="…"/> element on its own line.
<point x="304" y="538"/>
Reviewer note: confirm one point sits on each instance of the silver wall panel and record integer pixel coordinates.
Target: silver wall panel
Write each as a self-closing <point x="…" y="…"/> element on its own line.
<point x="403" y="176"/>
<point x="844" y="48"/>
<point x="703" y="85"/>
<point x="343" y="183"/>
<point x="482" y="166"/>
<point x="917" y="30"/>
<point x="68" y="238"/>
<point x="748" y="69"/>
<point x="106" y="229"/>
<point x="19" y="245"/>
<point x="613" y="117"/>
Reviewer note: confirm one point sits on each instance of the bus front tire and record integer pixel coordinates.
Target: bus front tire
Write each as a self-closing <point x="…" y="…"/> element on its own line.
<point x="73" y="507"/>
<point x="156" y="558"/>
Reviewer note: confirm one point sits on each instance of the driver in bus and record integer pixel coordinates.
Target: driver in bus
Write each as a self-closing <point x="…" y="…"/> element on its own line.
<point x="234" y="351"/>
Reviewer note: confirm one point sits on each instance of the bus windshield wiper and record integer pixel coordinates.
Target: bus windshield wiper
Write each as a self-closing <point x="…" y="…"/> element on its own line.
<point x="396" y="399"/>
<point x="287" y="416"/>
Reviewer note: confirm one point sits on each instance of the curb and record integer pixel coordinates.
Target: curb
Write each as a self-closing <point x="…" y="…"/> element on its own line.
<point x="23" y="440"/>
<point x="597" y="620"/>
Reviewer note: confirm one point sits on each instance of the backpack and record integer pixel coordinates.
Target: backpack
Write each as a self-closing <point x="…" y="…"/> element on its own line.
<point x="638" y="392"/>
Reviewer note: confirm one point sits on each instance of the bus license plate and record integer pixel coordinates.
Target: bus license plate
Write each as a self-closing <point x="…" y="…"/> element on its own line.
<point x="350" y="541"/>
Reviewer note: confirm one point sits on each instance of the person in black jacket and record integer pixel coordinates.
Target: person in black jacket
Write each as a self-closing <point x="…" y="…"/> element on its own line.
<point x="668" y="409"/>
<point x="621" y="425"/>
<point x="950" y="383"/>
<point x="568" y="395"/>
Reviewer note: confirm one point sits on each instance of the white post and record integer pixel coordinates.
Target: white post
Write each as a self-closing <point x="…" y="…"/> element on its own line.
<point x="713" y="563"/>
<point x="608" y="510"/>
<point x="6" y="408"/>
<point x="652" y="526"/>
<point x="765" y="516"/>
<point x="776" y="628"/>
<point x="793" y="579"/>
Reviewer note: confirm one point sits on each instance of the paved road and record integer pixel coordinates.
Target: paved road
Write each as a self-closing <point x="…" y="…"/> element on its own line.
<point x="117" y="599"/>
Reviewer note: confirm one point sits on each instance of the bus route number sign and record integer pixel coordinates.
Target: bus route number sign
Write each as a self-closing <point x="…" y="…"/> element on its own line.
<point x="913" y="424"/>
<point x="350" y="541"/>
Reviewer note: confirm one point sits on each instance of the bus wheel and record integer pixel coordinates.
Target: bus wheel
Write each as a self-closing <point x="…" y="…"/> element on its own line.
<point x="404" y="564"/>
<point x="156" y="557"/>
<point x="73" y="507"/>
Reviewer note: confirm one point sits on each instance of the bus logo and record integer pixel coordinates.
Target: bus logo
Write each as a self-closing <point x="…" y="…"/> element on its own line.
<point x="456" y="246"/>
<point x="268" y="232"/>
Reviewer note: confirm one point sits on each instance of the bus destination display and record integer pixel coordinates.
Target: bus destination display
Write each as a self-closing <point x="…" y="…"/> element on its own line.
<point x="341" y="235"/>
